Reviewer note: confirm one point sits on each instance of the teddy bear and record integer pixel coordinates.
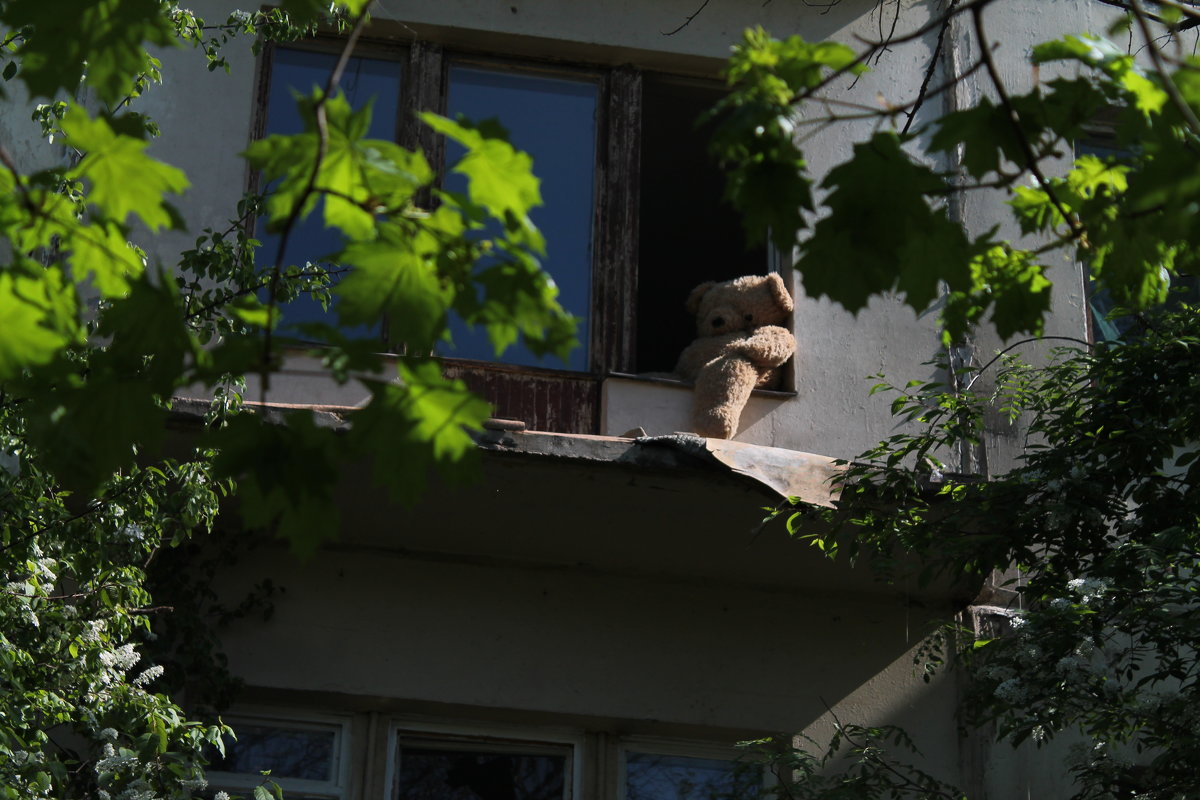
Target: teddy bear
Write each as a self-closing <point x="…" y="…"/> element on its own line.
<point x="740" y="346"/>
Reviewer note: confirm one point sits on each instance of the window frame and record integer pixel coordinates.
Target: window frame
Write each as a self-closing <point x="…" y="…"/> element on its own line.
<point x="685" y="748"/>
<point x="488" y="737"/>
<point x="544" y="398"/>
<point x="339" y="787"/>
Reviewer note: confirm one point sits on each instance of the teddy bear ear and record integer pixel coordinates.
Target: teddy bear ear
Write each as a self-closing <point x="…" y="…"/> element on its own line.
<point x="780" y="292"/>
<point x="693" y="301"/>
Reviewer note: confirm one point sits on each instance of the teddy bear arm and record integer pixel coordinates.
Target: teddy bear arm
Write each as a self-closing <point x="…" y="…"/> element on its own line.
<point x="769" y="346"/>
<point x="722" y="389"/>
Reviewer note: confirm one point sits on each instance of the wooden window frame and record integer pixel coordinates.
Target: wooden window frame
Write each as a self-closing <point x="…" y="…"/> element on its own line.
<point x="546" y="399"/>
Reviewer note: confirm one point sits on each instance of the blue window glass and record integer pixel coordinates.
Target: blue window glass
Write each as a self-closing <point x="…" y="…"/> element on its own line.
<point x="365" y="80"/>
<point x="554" y="120"/>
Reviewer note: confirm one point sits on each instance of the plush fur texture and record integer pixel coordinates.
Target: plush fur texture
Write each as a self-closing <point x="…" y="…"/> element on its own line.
<point x="739" y="347"/>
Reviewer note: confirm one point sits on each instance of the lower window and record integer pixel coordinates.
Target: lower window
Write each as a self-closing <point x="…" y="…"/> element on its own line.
<point x="429" y="765"/>
<point x="306" y="758"/>
<point x="681" y="773"/>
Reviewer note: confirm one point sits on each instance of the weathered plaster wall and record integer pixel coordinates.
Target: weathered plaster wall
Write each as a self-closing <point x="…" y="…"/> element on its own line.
<point x="831" y="412"/>
<point x="623" y="595"/>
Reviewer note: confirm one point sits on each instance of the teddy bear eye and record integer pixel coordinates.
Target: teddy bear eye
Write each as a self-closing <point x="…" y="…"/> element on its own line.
<point x="749" y="318"/>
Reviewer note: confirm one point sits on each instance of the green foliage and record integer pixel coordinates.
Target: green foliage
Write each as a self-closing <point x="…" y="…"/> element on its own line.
<point x="1102" y="515"/>
<point x="97" y="41"/>
<point x="879" y="221"/>
<point x="97" y="341"/>
<point x="857" y="762"/>
<point x="884" y="226"/>
<point x="79" y="713"/>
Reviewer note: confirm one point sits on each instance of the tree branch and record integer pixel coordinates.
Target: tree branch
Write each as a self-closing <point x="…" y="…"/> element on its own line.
<point x="289" y="224"/>
<point x="1014" y="119"/>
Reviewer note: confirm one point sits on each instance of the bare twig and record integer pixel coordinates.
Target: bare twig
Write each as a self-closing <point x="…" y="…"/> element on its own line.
<point x="687" y="21"/>
<point x="1014" y="119"/>
<point x="932" y="68"/>
<point x="1021" y="343"/>
<point x="1168" y="85"/>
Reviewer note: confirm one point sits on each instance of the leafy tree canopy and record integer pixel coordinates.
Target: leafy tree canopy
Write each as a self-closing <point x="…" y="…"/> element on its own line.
<point x="1100" y="514"/>
<point x="96" y="340"/>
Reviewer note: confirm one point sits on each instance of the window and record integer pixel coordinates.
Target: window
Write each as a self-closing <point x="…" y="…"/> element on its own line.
<point x="314" y="756"/>
<point x="365" y="80"/>
<point x="306" y="758"/>
<point x="441" y="762"/>
<point x="633" y="216"/>
<point x="1106" y="321"/>
<point x="678" y="772"/>
<point x="553" y="118"/>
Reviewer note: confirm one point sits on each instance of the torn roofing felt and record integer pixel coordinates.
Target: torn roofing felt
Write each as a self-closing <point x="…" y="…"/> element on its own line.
<point x="789" y="473"/>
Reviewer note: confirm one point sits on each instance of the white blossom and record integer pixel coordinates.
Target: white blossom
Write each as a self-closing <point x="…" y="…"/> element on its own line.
<point x="148" y="675"/>
<point x="94" y="629"/>
<point x="122" y="658"/>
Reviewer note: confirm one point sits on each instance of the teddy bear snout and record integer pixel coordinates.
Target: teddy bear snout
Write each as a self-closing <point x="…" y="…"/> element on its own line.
<point x="721" y="321"/>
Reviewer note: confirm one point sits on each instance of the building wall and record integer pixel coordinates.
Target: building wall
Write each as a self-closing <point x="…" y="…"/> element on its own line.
<point x="634" y="604"/>
<point x="620" y="601"/>
<point x="830" y="412"/>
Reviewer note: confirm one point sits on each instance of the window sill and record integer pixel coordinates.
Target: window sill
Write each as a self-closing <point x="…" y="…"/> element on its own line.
<point x="781" y="394"/>
<point x="660" y="406"/>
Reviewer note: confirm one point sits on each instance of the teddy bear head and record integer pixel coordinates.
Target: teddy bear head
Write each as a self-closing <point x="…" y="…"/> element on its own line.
<point x="739" y="304"/>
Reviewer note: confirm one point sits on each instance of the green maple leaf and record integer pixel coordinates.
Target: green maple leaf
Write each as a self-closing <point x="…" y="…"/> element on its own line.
<point x="105" y="38"/>
<point x="397" y="275"/>
<point x="881" y="234"/>
<point x="148" y="332"/>
<point x="124" y="180"/>
<point x="500" y="178"/>
<point x="987" y="136"/>
<point x="357" y="177"/>
<point x="409" y="428"/>
<point x="90" y="428"/>
<point x="1092" y="176"/>
<point x="38" y="309"/>
<point x="102" y="251"/>
<point x="283" y="474"/>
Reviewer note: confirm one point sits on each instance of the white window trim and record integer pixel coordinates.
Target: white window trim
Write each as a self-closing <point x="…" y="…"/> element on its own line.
<point x="501" y="738"/>
<point x="297" y="720"/>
